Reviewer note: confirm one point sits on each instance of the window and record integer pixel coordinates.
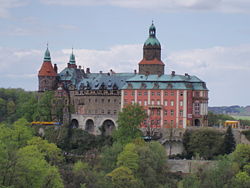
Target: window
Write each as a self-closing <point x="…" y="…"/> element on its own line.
<point x="197" y="108"/>
<point x="152" y="122"/>
<point x="180" y="122"/>
<point x="114" y="100"/>
<point x="152" y="112"/>
<point x="181" y="103"/>
<point x="102" y="100"/>
<point x="158" y="112"/>
<point x="152" y="93"/>
<point x="181" y="113"/>
<point x="166" y="93"/>
<point x="172" y="112"/>
<point x="197" y="94"/>
<point x="89" y="100"/>
<point x="172" y="103"/>
<point x="95" y="100"/>
<point x="139" y="93"/>
<point x="145" y="93"/>
<point x="145" y="103"/>
<point x="158" y="94"/>
<point x="132" y="102"/>
<point x="115" y="112"/>
<point x="181" y="93"/>
<point x="125" y="93"/>
<point x="133" y="93"/>
<point x="158" y="102"/>
<point x="172" y="93"/>
<point x="125" y="101"/>
<point x="158" y="122"/>
<point x="102" y="111"/>
<point x="172" y="122"/>
<point x="165" y="112"/>
<point x="152" y="102"/>
<point x="165" y="122"/>
<point x="108" y="100"/>
<point x="139" y="102"/>
<point x="108" y="111"/>
<point x="165" y="103"/>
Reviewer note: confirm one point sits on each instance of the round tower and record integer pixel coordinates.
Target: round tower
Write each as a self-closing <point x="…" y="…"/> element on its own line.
<point x="151" y="62"/>
<point x="72" y="61"/>
<point x="47" y="75"/>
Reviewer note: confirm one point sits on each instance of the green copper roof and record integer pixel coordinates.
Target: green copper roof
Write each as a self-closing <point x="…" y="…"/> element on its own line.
<point x="47" y="55"/>
<point x="72" y="59"/>
<point x="152" y="40"/>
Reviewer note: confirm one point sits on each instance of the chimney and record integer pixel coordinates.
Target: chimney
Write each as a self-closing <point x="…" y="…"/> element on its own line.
<point x="88" y="71"/>
<point x="173" y="73"/>
<point x="100" y="72"/>
<point x="135" y="71"/>
<point x="80" y="67"/>
<point x="55" y="68"/>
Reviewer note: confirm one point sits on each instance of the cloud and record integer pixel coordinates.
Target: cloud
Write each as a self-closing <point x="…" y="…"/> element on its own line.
<point x="225" y="69"/>
<point x="163" y="5"/>
<point x="5" y="5"/>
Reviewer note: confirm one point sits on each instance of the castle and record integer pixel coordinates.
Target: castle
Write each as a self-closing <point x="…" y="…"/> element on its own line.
<point x="170" y="100"/>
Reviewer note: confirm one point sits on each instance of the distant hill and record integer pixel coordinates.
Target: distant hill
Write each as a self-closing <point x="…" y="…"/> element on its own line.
<point x="231" y="110"/>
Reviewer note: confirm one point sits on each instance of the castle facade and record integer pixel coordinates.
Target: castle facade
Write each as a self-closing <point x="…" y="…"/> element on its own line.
<point x="170" y="100"/>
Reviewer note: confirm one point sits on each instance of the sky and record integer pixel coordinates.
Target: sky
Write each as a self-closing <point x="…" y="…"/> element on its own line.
<point x="206" y="38"/>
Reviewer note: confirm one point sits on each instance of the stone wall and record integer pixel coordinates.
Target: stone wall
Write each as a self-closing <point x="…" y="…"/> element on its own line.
<point x="189" y="166"/>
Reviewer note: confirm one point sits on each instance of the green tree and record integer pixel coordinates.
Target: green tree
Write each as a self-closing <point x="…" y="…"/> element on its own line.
<point x="44" y="107"/>
<point x="206" y="143"/>
<point x="122" y="177"/>
<point x="51" y="152"/>
<point x="129" y="121"/>
<point x="191" y="181"/>
<point x="109" y="156"/>
<point x="128" y="157"/>
<point x="241" y="155"/>
<point x="241" y="180"/>
<point x="229" y="141"/>
<point x="32" y="170"/>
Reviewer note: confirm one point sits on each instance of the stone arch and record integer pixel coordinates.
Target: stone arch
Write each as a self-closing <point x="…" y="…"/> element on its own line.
<point x="74" y="123"/>
<point x="197" y="122"/>
<point x="107" y="127"/>
<point x="90" y="126"/>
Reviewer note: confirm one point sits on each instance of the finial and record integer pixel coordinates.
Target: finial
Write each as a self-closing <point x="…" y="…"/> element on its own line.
<point x="47" y="44"/>
<point x="72" y="49"/>
<point x="152" y="21"/>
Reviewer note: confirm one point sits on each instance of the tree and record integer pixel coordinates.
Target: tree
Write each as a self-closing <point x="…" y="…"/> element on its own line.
<point x="129" y="121"/>
<point x="32" y="170"/>
<point x="109" y="156"/>
<point x="205" y="142"/>
<point x="241" y="155"/>
<point x="44" y="107"/>
<point x="128" y="157"/>
<point x="242" y="180"/>
<point x="51" y="152"/>
<point x="229" y="141"/>
<point x="122" y="177"/>
<point x="191" y="181"/>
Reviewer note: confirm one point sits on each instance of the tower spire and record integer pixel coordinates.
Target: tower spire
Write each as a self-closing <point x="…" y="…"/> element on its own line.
<point x="47" y="54"/>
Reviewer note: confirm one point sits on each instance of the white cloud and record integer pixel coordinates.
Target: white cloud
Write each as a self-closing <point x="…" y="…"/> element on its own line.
<point x="163" y="5"/>
<point x="5" y="5"/>
<point x="226" y="70"/>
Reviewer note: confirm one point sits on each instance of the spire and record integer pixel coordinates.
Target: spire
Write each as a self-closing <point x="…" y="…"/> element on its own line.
<point x="152" y="30"/>
<point x="72" y="58"/>
<point x="47" y="55"/>
<point x="152" y="40"/>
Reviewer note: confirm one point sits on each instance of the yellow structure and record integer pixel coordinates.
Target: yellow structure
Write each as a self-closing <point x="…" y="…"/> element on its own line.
<point x="232" y="123"/>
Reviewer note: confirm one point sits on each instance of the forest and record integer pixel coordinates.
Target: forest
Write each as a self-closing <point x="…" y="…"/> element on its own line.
<point x="66" y="157"/>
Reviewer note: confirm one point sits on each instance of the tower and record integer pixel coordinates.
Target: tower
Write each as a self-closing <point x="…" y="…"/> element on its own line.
<point x="72" y="61"/>
<point x="47" y="76"/>
<point x="151" y="62"/>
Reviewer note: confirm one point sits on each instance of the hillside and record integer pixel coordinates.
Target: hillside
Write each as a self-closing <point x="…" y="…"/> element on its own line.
<point x="231" y="110"/>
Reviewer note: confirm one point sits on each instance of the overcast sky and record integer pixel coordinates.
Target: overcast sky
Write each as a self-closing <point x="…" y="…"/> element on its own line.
<point x="206" y="38"/>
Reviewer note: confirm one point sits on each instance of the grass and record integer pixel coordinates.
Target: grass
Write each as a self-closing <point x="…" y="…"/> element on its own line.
<point x="242" y="117"/>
